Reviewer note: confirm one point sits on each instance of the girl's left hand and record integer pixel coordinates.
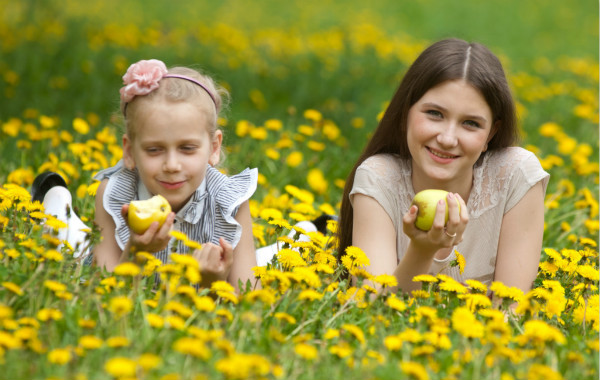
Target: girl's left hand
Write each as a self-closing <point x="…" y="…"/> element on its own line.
<point x="215" y="262"/>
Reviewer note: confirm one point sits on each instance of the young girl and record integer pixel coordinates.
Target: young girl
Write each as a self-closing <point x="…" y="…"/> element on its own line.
<point x="170" y="147"/>
<point x="451" y="126"/>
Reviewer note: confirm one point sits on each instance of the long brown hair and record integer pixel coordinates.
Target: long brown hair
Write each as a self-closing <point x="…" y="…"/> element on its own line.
<point x="445" y="60"/>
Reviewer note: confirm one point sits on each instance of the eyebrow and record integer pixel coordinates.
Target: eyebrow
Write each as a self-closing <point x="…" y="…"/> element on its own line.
<point x="475" y="117"/>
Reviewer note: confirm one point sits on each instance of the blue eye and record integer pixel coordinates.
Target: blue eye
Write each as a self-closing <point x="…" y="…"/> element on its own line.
<point x="434" y="113"/>
<point x="472" y="123"/>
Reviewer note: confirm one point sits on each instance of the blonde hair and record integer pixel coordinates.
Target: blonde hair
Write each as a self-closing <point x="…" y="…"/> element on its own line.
<point x="211" y="99"/>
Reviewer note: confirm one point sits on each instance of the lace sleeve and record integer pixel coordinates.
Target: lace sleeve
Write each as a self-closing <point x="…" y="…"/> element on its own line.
<point x="503" y="178"/>
<point x="528" y="172"/>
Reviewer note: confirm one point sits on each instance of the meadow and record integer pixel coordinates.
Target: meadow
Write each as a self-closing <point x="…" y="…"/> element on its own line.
<point x="308" y="82"/>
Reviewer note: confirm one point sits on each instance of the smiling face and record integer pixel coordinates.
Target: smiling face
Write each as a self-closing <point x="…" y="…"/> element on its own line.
<point x="448" y="129"/>
<point x="171" y="149"/>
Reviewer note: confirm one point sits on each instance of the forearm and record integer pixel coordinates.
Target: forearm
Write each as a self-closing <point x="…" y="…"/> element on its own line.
<point x="416" y="261"/>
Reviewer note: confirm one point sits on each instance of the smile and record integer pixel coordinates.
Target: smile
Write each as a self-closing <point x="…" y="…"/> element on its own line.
<point x="441" y="157"/>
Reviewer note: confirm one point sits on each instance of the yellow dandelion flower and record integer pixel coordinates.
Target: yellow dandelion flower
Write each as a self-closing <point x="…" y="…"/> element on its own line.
<point x="121" y="367"/>
<point x="179" y="308"/>
<point x="149" y="361"/>
<point x="231" y="297"/>
<point x="90" y="342"/>
<point x="341" y="350"/>
<point x="47" y="314"/>
<point x="192" y="346"/>
<point x="392" y="343"/>
<point x="81" y="126"/>
<point x="386" y="280"/>
<point x="155" y="320"/>
<point x="127" y="269"/>
<point x="306" y="351"/>
<point x="476" y="286"/>
<point x="60" y="356"/>
<point x="53" y="255"/>
<point x="221" y="286"/>
<point x="331" y="333"/>
<point x="86" y="323"/>
<point x="204" y="303"/>
<point x="588" y="272"/>
<point x="395" y="303"/>
<point x="185" y="260"/>
<point x="425" y="278"/>
<point x="290" y="258"/>
<point x="11" y="286"/>
<point x="273" y="124"/>
<point x="539" y="332"/>
<point x="310" y="294"/>
<point x="313" y="115"/>
<point x="461" y="262"/>
<point x="294" y="159"/>
<point x="118" y="341"/>
<point x="356" y="331"/>
<point x="178" y="235"/>
<point x="465" y="323"/>
<point x="414" y="370"/>
<point x="285" y="317"/>
<point x="120" y="306"/>
<point x="316" y="146"/>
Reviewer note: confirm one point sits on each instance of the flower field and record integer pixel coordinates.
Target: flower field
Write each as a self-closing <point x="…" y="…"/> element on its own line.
<point x="308" y="82"/>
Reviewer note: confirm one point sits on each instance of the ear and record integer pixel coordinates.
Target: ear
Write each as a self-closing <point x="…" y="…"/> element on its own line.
<point x="493" y="131"/>
<point x="215" y="149"/>
<point x="128" y="153"/>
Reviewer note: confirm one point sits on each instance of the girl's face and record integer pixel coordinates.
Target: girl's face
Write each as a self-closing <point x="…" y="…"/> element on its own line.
<point x="171" y="149"/>
<point x="448" y="129"/>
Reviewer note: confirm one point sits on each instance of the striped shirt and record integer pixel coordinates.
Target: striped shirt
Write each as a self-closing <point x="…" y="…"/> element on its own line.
<point x="206" y="217"/>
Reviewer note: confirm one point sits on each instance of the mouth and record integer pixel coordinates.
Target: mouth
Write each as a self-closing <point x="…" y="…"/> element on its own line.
<point x="440" y="154"/>
<point x="171" y="185"/>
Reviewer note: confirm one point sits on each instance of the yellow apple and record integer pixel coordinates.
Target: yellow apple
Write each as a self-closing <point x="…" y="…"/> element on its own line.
<point x="427" y="201"/>
<point x="141" y="214"/>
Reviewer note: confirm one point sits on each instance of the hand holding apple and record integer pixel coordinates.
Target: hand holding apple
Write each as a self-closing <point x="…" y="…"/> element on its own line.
<point x="427" y="201"/>
<point x="142" y="214"/>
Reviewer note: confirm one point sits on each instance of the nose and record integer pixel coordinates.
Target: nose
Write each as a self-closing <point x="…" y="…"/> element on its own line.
<point x="171" y="163"/>
<point x="447" y="137"/>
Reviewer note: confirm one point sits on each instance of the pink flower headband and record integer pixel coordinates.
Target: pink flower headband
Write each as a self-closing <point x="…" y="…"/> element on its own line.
<point x="142" y="78"/>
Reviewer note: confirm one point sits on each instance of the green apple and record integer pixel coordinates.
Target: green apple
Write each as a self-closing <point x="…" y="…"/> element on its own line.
<point x="141" y="214"/>
<point x="427" y="201"/>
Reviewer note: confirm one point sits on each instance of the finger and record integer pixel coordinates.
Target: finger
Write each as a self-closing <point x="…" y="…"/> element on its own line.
<point x="166" y="227"/>
<point x="227" y="252"/>
<point x="439" y="221"/>
<point x="408" y="220"/>
<point x="210" y="255"/>
<point x="125" y="210"/>
<point x="453" y="214"/>
<point x="464" y="211"/>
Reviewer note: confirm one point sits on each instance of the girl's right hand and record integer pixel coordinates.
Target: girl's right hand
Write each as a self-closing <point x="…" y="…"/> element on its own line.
<point x="154" y="239"/>
<point x="215" y="261"/>
<point x="439" y="236"/>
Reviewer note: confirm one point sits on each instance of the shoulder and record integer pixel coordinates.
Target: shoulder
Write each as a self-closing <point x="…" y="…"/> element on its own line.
<point x="217" y="182"/>
<point x="230" y="191"/>
<point x="513" y="154"/>
<point x="508" y="162"/>
<point x="384" y="165"/>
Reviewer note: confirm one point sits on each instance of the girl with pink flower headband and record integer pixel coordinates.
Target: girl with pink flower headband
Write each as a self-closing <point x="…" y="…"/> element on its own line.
<point x="170" y="147"/>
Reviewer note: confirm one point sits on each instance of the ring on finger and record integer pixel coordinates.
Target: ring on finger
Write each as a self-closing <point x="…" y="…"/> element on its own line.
<point x="449" y="235"/>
